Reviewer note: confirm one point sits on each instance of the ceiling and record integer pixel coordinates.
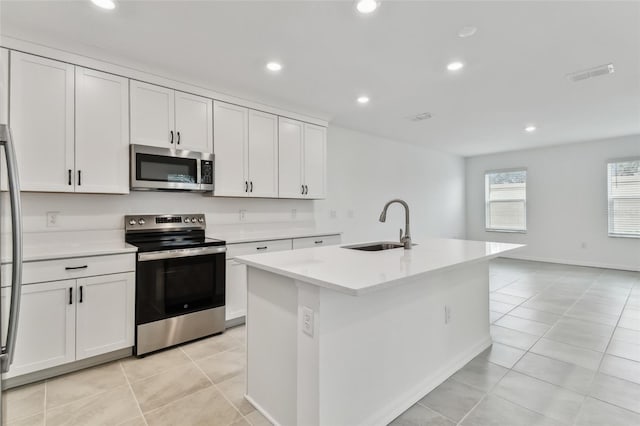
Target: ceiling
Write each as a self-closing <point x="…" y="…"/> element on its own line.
<point x="514" y="75"/>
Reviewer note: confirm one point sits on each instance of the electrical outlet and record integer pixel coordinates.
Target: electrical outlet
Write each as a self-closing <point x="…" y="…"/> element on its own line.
<point x="350" y="214"/>
<point x="307" y="320"/>
<point x="294" y="213"/>
<point x="583" y="245"/>
<point x="52" y="219"/>
<point x="447" y="314"/>
<point x="242" y="214"/>
<point x="333" y="214"/>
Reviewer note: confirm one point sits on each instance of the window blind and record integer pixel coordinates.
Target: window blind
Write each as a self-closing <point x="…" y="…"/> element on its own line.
<point x="506" y="200"/>
<point x="624" y="198"/>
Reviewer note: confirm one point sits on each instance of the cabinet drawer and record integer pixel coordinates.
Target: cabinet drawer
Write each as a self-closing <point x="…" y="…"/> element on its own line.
<point x="78" y="267"/>
<point x="323" y="240"/>
<point x="234" y="250"/>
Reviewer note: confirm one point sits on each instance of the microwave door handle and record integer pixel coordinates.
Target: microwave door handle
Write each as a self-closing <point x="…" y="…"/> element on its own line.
<point x="6" y="357"/>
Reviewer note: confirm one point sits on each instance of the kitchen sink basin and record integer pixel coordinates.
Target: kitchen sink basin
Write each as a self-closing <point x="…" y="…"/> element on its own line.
<point x="377" y="246"/>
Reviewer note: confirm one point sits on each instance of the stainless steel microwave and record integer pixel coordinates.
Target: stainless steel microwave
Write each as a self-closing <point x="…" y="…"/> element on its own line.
<point x="170" y="169"/>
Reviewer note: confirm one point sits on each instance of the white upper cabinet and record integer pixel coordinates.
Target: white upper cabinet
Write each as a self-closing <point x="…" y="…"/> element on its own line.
<point x="230" y="146"/>
<point x="291" y="138"/>
<point x="168" y="118"/>
<point x="303" y="160"/>
<point x="152" y="115"/>
<point x="315" y="161"/>
<point x="42" y="122"/>
<point x="102" y="132"/>
<point x="4" y="86"/>
<point x="263" y="154"/>
<point x="104" y="316"/>
<point x="194" y="122"/>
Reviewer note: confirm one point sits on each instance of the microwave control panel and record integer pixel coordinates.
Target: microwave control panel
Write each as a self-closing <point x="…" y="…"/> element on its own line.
<point x="207" y="172"/>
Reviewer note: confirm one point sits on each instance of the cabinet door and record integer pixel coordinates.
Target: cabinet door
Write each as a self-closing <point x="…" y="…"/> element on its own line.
<point x="46" y="330"/>
<point x="230" y="146"/>
<point x="41" y="119"/>
<point x="4" y="109"/>
<point x="263" y="154"/>
<point x="4" y="86"/>
<point x="194" y="122"/>
<point x="290" y="141"/>
<point x="152" y="115"/>
<point x="315" y="160"/>
<point x="102" y="132"/>
<point x="236" y="290"/>
<point x="105" y="314"/>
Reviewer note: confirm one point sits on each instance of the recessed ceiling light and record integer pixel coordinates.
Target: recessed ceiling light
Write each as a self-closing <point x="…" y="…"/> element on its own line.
<point x="530" y="129"/>
<point x="455" y="66"/>
<point x="366" y="6"/>
<point x="105" y="4"/>
<point x="274" y="66"/>
<point x="467" y="32"/>
<point x="363" y="99"/>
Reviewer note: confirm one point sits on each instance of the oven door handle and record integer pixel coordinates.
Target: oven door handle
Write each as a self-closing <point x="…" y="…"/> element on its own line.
<point x="172" y="254"/>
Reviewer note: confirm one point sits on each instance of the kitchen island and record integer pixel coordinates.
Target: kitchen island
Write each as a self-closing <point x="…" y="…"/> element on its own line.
<point x="337" y="336"/>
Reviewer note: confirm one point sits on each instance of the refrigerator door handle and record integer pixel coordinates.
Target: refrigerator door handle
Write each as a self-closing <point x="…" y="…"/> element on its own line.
<point x="6" y="357"/>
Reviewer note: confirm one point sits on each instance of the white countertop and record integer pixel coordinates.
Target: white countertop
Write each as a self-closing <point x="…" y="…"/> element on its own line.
<point x="236" y="236"/>
<point x="64" y="245"/>
<point x="357" y="272"/>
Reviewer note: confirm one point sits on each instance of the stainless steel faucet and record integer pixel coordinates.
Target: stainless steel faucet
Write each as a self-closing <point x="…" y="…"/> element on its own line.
<point x="406" y="239"/>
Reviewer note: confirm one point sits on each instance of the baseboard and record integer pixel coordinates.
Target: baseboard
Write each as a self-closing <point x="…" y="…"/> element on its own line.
<point x="575" y="262"/>
<point x="387" y="414"/>
<point x="235" y="321"/>
<point x="261" y="410"/>
<point x="59" y="370"/>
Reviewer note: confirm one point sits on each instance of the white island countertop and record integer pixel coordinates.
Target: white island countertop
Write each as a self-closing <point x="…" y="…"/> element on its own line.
<point x="358" y="272"/>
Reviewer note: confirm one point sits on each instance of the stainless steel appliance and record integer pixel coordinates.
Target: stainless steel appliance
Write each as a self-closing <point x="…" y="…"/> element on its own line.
<point x="9" y="347"/>
<point x="180" y="280"/>
<point x="170" y="169"/>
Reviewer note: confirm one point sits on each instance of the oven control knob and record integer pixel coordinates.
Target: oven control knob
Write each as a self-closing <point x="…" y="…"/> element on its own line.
<point x="132" y="222"/>
<point x="187" y="220"/>
<point x="141" y="221"/>
<point x="194" y="220"/>
<point x="201" y="219"/>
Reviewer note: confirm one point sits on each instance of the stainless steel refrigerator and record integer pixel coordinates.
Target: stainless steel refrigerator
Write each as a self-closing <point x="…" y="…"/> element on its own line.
<point x="13" y="184"/>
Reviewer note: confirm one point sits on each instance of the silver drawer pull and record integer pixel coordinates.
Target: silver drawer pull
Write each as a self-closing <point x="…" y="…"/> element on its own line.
<point x="319" y="242"/>
<point x="261" y="248"/>
<point x="71" y="268"/>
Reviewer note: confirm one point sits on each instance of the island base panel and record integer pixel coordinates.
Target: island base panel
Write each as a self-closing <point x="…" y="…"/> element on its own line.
<point x="371" y="356"/>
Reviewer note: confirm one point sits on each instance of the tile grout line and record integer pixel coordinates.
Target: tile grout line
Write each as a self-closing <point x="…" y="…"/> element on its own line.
<point x="135" y="398"/>
<point x="602" y="359"/>
<point x="216" y="386"/>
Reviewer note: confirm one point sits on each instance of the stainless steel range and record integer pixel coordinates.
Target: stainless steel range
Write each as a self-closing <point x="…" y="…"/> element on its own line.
<point x="180" y="280"/>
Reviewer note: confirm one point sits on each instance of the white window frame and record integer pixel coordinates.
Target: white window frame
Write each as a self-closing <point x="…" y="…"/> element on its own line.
<point x="487" y="203"/>
<point x="610" y="199"/>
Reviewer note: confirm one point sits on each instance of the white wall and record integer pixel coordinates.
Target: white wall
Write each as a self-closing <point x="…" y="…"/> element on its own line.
<point x="566" y="203"/>
<point x="365" y="171"/>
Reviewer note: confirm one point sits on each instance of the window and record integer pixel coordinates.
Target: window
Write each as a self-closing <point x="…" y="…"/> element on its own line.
<point x="624" y="198"/>
<point x="506" y="200"/>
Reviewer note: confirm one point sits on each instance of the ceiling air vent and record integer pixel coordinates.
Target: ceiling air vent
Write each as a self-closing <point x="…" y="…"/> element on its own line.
<point x="591" y="73"/>
<point x="420" y="117"/>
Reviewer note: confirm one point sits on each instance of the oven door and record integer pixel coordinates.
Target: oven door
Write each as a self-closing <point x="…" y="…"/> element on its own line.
<point x="162" y="168"/>
<point x="168" y="286"/>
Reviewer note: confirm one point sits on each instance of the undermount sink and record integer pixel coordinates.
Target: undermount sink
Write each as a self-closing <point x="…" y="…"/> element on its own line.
<point x="377" y="246"/>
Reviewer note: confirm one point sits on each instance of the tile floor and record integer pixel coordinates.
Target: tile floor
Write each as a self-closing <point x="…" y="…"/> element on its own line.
<point x="566" y="352"/>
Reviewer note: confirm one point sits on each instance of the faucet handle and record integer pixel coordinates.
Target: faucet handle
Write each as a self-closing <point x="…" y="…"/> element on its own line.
<point x="400" y="234"/>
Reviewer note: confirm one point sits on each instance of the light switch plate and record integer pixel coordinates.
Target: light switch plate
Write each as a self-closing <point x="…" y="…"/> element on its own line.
<point x="307" y="320"/>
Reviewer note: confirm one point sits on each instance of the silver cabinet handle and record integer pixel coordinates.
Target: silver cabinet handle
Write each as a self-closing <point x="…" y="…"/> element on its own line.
<point x="319" y="241"/>
<point x="6" y="356"/>
<point x="261" y="248"/>
<point x="178" y="135"/>
<point x="251" y="186"/>
<point x="171" y="141"/>
<point x="302" y="190"/>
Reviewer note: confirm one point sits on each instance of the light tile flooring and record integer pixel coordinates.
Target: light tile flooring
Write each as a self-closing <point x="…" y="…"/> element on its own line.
<point x="566" y="352"/>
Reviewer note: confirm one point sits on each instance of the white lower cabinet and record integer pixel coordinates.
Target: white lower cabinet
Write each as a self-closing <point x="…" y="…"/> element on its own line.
<point x="46" y="330"/>
<point x="69" y="320"/>
<point x="104" y="314"/>
<point x="236" y="273"/>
